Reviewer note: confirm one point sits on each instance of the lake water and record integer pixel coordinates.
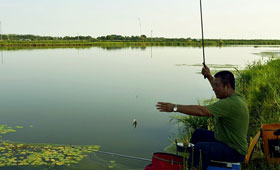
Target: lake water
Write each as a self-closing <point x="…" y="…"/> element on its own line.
<point x="90" y="96"/>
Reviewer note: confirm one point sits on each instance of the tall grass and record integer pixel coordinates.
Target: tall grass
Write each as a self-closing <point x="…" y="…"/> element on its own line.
<point x="260" y="85"/>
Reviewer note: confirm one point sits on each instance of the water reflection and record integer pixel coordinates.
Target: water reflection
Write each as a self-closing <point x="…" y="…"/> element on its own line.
<point x="124" y="48"/>
<point x="2" y="58"/>
<point x="92" y="99"/>
<point x="151" y="51"/>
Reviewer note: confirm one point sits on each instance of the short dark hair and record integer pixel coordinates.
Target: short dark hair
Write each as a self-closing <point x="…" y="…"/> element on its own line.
<point x="226" y="77"/>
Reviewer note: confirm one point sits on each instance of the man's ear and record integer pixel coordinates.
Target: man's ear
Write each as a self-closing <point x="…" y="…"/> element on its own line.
<point x="227" y="86"/>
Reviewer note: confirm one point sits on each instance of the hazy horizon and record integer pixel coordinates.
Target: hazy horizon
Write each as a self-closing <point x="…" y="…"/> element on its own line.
<point x="237" y="19"/>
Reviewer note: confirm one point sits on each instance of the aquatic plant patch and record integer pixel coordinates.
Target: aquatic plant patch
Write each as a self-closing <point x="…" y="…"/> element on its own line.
<point x="19" y="154"/>
<point x="215" y="65"/>
<point x="4" y="129"/>
<point x="270" y="54"/>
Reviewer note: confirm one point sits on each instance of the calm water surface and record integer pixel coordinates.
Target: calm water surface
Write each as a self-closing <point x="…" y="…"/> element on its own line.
<point x="90" y="96"/>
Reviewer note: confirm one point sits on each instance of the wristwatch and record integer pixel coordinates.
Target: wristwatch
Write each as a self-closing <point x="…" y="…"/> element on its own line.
<point x="175" y="108"/>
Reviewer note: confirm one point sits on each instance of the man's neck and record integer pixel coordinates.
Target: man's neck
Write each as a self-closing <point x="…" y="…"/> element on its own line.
<point x="231" y="92"/>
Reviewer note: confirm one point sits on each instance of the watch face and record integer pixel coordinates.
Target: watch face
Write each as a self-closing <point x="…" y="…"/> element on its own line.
<point x="175" y="108"/>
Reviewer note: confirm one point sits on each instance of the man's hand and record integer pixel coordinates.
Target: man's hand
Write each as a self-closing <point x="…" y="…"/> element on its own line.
<point x="165" y="107"/>
<point x="205" y="71"/>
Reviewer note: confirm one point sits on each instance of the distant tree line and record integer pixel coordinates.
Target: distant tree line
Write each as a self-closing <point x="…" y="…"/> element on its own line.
<point x="113" y="37"/>
<point x="29" y="37"/>
<point x="142" y="38"/>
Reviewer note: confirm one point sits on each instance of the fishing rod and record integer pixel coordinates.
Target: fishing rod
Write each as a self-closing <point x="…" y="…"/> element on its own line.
<point x="124" y="156"/>
<point x="201" y="20"/>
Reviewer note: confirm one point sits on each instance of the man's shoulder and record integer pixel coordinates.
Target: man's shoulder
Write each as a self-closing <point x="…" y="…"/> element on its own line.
<point x="232" y="104"/>
<point x="236" y="97"/>
<point x="239" y="98"/>
<point x="238" y="103"/>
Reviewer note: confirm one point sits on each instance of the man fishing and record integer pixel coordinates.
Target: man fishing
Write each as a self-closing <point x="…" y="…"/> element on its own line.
<point x="228" y="141"/>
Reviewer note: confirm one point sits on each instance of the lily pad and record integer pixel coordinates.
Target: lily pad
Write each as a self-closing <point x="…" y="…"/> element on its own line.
<point x="19" y="127"/>
<point x="21" y="154"/>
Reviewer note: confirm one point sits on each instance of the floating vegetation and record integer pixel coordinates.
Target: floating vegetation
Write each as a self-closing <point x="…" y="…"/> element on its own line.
<point x="4" y="129"/>
<point x="112" y="161"/>
<point x="182" y="65"/>
<point x="112" y="164"/>
<point x="270" y="54"/>
<point x="217" y="66"/>
<point x="19" y="154"/>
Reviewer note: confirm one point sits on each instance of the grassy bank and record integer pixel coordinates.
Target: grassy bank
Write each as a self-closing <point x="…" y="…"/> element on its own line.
<point x="259" y="83"/>
<point x="17" y="41"/>
<point x="117" y="41"/>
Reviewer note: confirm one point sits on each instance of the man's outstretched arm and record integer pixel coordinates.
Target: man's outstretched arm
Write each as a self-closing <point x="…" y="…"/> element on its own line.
<point x="193" y="110"/>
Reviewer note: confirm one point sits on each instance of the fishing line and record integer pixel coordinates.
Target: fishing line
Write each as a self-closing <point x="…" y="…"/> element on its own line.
<point x="144" y="159"/>
<point x="134" y="121"/>
<point x="124" y="156"/>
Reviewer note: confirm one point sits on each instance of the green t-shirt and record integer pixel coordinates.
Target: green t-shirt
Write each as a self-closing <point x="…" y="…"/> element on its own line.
<point x="232" y="121"/>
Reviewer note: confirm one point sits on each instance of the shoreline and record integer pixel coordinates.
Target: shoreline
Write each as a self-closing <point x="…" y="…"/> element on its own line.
<point x="125" y="44"/>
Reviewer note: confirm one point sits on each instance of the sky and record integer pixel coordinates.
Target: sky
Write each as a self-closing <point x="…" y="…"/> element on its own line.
<point x="223" y="19"/>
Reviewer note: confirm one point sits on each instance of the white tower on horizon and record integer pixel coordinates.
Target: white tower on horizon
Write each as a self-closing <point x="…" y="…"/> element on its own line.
<point x="140" y="26"/>
<point x="1" y="30"/>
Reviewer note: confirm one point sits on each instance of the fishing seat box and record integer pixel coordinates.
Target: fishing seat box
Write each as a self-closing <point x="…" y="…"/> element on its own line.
<point x="270" y="134"/>
<point x="271" y="142"/>
<point x="218" y="165"/>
